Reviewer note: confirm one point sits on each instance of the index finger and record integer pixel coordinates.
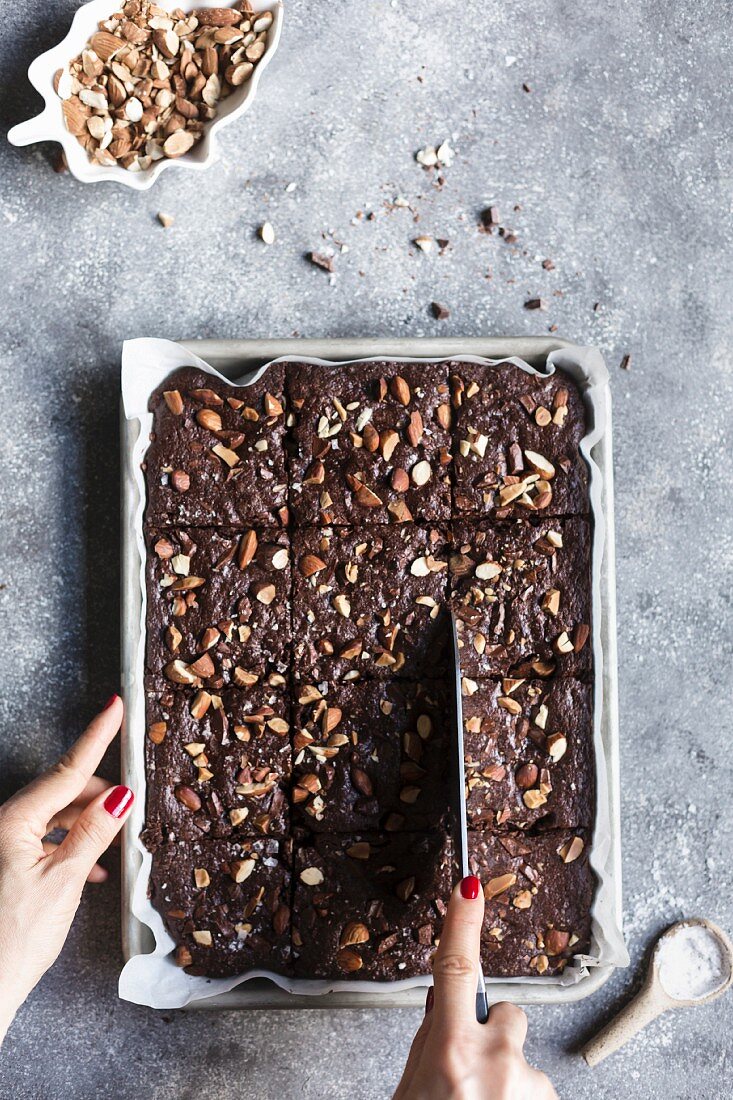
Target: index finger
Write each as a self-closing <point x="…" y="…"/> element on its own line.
<point x="458" y="958"/>
<point x="64" y="781"/>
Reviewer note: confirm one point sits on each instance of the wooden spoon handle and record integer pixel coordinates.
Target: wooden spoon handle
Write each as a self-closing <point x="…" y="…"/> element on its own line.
<point x="644" y="1008"/>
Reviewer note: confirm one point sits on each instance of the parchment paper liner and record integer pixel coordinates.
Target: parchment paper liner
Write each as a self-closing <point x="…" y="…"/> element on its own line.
<point x="153" y="979"/>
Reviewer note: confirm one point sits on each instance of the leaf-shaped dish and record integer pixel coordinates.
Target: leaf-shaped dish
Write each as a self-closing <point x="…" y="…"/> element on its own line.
<point x="49" y="124"/>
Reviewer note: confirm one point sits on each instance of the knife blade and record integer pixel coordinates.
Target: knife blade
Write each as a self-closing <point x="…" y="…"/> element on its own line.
<point x="458" y="769"/>
<point x="459" y="824"/>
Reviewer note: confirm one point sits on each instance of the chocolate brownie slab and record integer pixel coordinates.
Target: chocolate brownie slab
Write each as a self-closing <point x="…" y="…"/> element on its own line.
<point x="515" y="442"/>
<point x="216" y="764"/>
<point x="218" y="605"/>
<point x="226" y="904"/>
<point x="521" y="592"/>
<point x="529" y="754"/>
<point x="366" y="602"/>
<point x="538" y="892"/>
<point x="411" y="486"/>
<point x="372" y="443"/>
<point x="369" y="906"/>
<point x="217" y="454"/>
<point x="370" y="756"/>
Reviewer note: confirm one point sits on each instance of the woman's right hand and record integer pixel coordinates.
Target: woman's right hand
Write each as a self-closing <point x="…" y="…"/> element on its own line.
<point x="453" y="1056"/>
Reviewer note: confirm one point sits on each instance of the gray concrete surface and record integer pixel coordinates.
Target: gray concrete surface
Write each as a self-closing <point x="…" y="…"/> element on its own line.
<point x="620" y="160"/>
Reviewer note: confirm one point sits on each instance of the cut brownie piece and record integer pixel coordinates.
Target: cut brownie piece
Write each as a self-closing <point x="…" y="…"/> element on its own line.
<point x="372" y="443"/>
<point x="515" y="442"/>
<point x="521" y="594"/>
<point x="216" y="765"/>
<point x="369" y="906"/>
<point x="217" y="454"/>
<point x="226" y="904"/>
<point x="538" y="892"/>
<point x="218" y="605"/>
<point x="529" y="754"/>
<point x="370" y="756"/>
<point x="366" y="602"/>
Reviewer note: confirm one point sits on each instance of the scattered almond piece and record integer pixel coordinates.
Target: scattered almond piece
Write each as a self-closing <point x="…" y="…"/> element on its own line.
<point x="320" y="259"/>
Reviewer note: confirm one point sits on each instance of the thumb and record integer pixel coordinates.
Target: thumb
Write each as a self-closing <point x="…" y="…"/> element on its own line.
<point x="95" y="829"/>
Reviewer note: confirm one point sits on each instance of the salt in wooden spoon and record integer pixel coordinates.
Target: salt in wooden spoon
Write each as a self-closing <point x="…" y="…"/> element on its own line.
<point x="655" y="997"/>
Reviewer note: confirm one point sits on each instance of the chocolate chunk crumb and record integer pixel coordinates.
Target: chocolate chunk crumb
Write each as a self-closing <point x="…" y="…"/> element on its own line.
<point x="489" y="219"/>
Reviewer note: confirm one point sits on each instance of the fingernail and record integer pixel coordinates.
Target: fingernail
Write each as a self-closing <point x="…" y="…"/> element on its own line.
<point x="430" y="1000"/>
<point x="118" y="801"/>
<point x="470" y="887"/>
<point x="112" y="699"/>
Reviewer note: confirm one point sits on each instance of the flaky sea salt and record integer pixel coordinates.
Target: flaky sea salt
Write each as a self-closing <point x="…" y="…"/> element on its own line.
<point x="692" y="963"/>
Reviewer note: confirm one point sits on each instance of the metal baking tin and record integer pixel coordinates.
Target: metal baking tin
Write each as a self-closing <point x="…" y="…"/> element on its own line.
<point x="233" y="358"/>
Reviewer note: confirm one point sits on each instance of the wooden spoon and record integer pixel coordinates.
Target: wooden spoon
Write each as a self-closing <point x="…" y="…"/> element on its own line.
<point x="652" y="999"/>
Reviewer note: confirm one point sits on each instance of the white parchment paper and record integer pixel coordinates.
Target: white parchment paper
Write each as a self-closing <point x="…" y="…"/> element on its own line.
<point x="153" y="979"/>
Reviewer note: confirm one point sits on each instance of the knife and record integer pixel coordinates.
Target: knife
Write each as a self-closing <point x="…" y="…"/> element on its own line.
<point x="458" y="799"/>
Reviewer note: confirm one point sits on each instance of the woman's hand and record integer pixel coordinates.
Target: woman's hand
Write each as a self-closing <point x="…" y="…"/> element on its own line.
<point x="453" y="1057"/>
<point x="40" y="882"/>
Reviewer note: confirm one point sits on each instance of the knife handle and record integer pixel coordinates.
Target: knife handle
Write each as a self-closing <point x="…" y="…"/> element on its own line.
<point x="482" y="1004"/>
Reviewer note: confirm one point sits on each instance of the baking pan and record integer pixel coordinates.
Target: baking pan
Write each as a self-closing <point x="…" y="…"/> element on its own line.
<point x="234" y="358"/>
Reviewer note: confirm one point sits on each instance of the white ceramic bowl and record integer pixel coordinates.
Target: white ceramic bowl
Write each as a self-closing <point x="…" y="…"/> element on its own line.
<point x="49" y="125"/>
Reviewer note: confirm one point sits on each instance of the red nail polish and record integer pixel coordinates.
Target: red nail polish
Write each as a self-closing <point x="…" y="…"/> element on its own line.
<point x="110" y="701"/>
<point x="118" y="801"/>
<point x="430" y="1000"/>
<point x="470" y="887"/>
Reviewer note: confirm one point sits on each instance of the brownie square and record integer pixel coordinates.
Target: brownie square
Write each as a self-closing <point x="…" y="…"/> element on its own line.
<point x="370" y="756"/>
<point x="217" y="453"/>
<point x="217" y="765"/>
<point x="225" y="903"/>
<point x="529" y="754"/>
<point x="366" y="602"/>
<point x="369" y="906"/>
<point x="538" y="891"/>
<point x="515" y="442"/>
<point x="521" y="592"/>
<point x="372" y="443"/>
<point x="218" y="600"/>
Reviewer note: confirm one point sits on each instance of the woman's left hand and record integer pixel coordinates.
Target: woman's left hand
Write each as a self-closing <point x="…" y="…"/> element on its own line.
<point x="40" y="882"/>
